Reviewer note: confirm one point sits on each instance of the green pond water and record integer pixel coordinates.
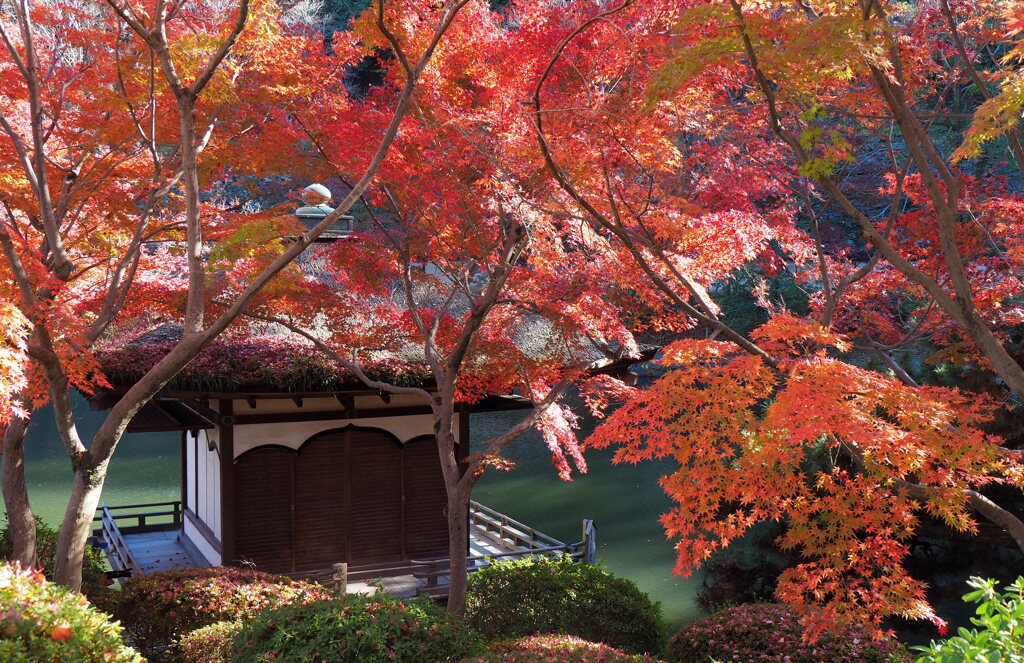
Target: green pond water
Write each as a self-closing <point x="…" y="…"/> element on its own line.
<point x="624" y="501"/>
<point x="146" y="468"/>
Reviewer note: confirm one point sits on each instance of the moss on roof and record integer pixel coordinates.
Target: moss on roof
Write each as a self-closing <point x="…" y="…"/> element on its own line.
<point x="272" y="363"/>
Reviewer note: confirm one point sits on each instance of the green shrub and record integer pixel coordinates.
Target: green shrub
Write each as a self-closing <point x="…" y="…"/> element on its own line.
<point x="41" y="622"/>
<point x="1001" y="618"/>
<point x="95" y="562"/>
<point x="771" y="633"/>
<point x="209" y="644"/>
<point x="158" y="608"/>
<point x="558" y="649"/>
<point x="356" y="629"/>
<point x="511" y="599"/>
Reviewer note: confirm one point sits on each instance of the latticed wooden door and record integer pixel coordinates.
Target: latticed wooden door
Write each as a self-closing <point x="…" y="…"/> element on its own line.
<point x="353" y="495"/>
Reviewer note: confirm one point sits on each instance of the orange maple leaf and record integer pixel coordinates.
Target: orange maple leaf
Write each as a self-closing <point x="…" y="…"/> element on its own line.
<point x="60" y="633"/>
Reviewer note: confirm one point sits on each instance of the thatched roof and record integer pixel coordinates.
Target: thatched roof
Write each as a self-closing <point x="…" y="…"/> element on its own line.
<point x="270" y="358"/>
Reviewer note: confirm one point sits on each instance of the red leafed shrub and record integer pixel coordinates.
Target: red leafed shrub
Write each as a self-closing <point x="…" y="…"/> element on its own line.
<point x="158" y="608"/>
<point x="772" y="633"/>
<point x="41" y="621"/>
<point x="558" y="649"/>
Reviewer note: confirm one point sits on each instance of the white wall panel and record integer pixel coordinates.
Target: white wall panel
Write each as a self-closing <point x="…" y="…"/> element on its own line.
<point x="197" y="539"/>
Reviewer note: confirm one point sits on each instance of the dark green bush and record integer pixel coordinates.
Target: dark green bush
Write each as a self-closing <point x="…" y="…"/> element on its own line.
<point x="772" y="633"/>
<point x="156" y="609"/>
<point x="356" y="629"/>
<point x="41" y="622"/>
<point x="94" y="565"/>
<point x="1000" y="618"/>
<point x="209" y="644"/>
<point x="558" y="649"/>
<point x="745" y="572"/>
<point x="516" y="598"/>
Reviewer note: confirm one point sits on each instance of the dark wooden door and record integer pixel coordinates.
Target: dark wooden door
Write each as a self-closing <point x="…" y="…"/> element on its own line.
<point x="375" y="497"/>
<point x="426" y="527"/>
<point x="321" y="475"/>
<point x="263" y="508"/>
<point x="354" y="495"/>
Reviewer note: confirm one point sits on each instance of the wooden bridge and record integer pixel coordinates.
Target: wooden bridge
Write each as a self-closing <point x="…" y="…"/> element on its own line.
<point x="145" y="538"/>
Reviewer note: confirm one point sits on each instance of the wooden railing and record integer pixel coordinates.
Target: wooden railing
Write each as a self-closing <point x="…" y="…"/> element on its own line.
<point x="494" y="525"/>
<point x="114" y="522"/>
<point x="140" y="518"/>
<point x="516" y="538"/>
<point x="588" y="545"/>
<point x="111" y="538"/>
<point x="505" y="532"/>
<point x="351" y="573"/>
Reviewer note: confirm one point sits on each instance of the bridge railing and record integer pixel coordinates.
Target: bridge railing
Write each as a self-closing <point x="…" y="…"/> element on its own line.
<point x="434" y="572"/>
<point x="111" y="538"/>
<point x="506" y="533"/>
<point x="140" y="518"/>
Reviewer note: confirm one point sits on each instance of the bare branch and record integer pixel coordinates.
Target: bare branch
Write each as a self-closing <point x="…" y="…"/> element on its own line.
<point x="214" y="63"/>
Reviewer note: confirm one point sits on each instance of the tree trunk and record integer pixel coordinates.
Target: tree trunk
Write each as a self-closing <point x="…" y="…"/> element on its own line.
<point x="458" y="533"/>
<point x="19" y="510"/>
<point x="77" y="525"/>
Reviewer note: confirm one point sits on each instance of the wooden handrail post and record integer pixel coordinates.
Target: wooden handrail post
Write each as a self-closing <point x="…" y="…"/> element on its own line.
<point x="589" y="542"/>
<point x="340" y="577"/>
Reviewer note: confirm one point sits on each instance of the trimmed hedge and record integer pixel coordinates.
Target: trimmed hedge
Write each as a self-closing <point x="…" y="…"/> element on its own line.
<point x="44" y="622"/>
<point x="772" y="633"/>
<point x="157" y="608"/>
<point x="512" y="599"/>
<point x="209" y="644"/>
<point x="355" y="629"/>
<point x="558" y="649"/>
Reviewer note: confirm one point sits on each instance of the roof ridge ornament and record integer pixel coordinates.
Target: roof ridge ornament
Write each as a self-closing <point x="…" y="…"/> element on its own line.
<point x="317" y="196"/>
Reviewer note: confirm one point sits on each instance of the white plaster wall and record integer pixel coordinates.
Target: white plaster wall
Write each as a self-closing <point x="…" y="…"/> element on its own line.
<point x="203" y="495"/>
<point x="212" y="515"/>
<point x="201" y="472"/>
<point x="204" y="486"/>
<point x="293" y="434"/>
<point x="199" y="541"/>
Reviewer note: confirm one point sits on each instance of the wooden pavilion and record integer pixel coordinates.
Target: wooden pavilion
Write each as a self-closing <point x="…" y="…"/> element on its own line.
<point x="293" y="479"/>
<point x="297" y="483"/>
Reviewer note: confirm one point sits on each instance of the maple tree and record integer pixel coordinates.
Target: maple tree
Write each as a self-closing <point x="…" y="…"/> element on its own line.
<point x="461" y="266"/>
<point x="698" y="137"/>
<point x="634" y="159"/>
<point x="118" y="118"/>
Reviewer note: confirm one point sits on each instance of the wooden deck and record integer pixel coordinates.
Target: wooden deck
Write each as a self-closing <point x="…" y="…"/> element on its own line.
<point x="147" y="538"/>
<point x="161" y="551"/>
<point x="144" y="538"/>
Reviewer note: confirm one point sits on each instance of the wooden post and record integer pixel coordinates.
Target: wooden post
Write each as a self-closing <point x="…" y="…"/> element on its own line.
<point x="589" y="542"/>
<point x="226" y="435"/>
<point x="184" y="468"/>
<point x="340" y="577"/>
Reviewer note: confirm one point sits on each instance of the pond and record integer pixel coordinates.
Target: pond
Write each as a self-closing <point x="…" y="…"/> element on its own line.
<point x="624" y="501"/>
<point x="146" y="467"/>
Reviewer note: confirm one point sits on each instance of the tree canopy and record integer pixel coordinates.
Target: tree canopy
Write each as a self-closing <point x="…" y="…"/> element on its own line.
<point x="611" y="170"/>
